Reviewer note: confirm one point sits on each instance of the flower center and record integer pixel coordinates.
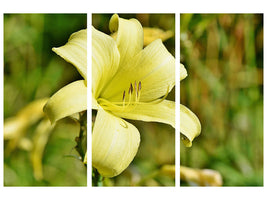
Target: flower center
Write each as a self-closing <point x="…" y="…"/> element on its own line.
<point x="129" y="100"/>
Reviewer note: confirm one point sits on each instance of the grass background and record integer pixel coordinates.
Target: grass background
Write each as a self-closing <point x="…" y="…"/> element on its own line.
<point x="223" y="54"/>
<point x="33" y="71"/>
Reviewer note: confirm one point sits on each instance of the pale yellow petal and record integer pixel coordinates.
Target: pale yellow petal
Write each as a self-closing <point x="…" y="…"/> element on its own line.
<point x="190" y="125"/>
<point x="27" y="116"/>
<point x="40" y="139"/>
<point x="154" y="67"/>
<point x="95" y="105"/>
<point x="151" y="34"/>
<point x="105" y="60"/>
<point x="14" y="126"/>
<point x="114" y="144"/>
<point x="75" y="51"/>
<point x="168" y="170"/>
<point x="204" y="177"/>
<point x="25" y="144"/>
<point x="85" y="158"/>
<point x="163" y="112"/>
<point x="183" y="72"/>
<point x="129" y="37"/>
<point x="67" y="101"/>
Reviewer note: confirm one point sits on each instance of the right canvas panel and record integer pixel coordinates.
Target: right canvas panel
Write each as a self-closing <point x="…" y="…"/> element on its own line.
<point x="221" y="95"/>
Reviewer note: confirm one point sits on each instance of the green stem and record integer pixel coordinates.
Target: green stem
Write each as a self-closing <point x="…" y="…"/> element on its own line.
<point x="97" y="179"/>
<point x="81" y="140"/>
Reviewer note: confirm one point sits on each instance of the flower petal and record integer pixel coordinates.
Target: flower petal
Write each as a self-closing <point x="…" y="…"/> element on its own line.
<point x="114" y="144"/>
<point x="154" y="67"/>
<point x="190" y="126"/>
<point x="129" y="37"/>
<point x="67" y="101"/>
<point x="26" y="117"/>
<point x="151" y="34"/>
<point x="75" y="51"/>
<point x="95" y="105"/>
<point x="183" y="72"/>
<point x="105" y="60"/>
<point x="162" y="112"/>
<point x="201" y="177"/>
<point x="85" y="158"/>
<point x="40" y="139"/>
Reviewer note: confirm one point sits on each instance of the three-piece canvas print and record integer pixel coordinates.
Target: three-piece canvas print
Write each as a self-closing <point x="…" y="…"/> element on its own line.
<point x="129" y="113"/>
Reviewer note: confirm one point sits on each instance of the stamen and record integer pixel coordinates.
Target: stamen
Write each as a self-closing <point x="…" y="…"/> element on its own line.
<point x="123" y="99"/>
<point x="139" y="86"/>
<point x="123" y="96"/>
<point x="139" y="91"/>
<point x="130" y="89"/>
<point x="135" y="86"/>
<point x="107" y="105"/>
<point x="130" y="97"/>
<point x="129" y="103"/>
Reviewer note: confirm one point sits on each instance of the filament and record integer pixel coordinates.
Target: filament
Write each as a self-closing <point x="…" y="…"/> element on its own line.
<point x="129" y="101"/>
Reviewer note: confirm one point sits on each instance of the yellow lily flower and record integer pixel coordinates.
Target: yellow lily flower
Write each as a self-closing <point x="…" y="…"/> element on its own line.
<point x="72" y="98"/>
<point x="190" y="125"/>
<point x="127" y="82"/>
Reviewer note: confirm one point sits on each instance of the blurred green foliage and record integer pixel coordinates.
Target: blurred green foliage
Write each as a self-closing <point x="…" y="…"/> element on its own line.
<point x="157" y="146"/>
<point x="33" y="71"/>
<point x="223" y="54"/>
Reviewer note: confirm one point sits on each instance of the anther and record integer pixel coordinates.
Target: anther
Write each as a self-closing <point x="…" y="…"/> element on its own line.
<point x="123" y="96"/>
<point x="139" y="86"/>
<point x="131" y="89"/>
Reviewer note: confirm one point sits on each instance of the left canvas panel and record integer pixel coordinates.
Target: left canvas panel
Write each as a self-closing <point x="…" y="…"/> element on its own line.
<point x="45" y="109"/>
